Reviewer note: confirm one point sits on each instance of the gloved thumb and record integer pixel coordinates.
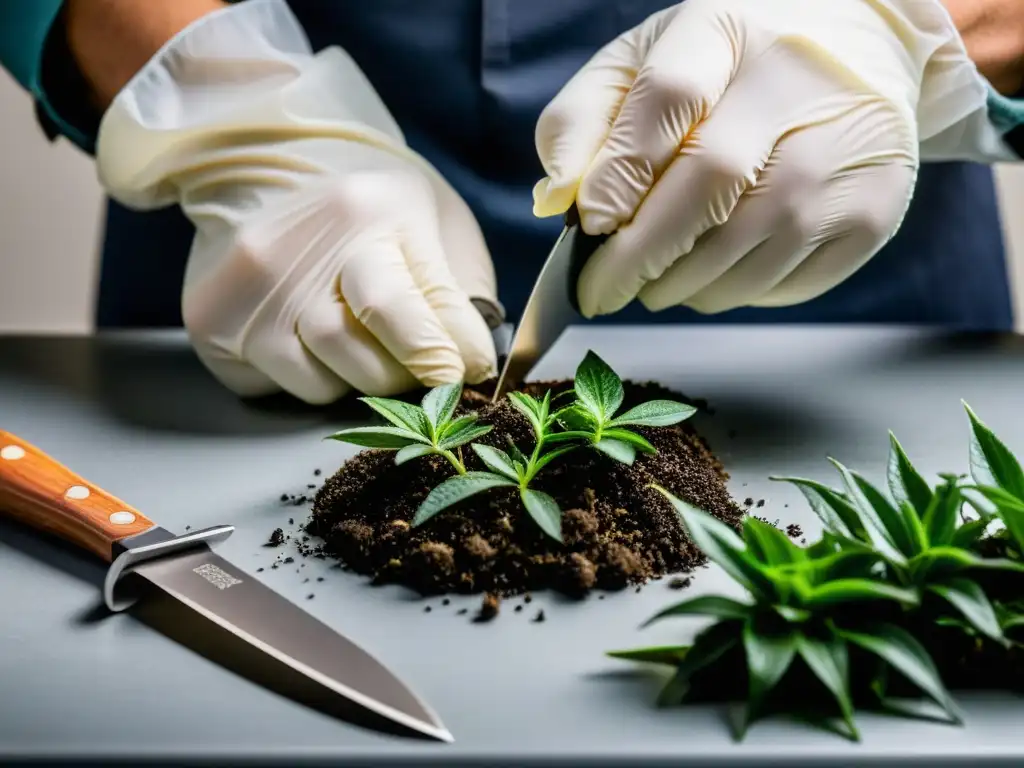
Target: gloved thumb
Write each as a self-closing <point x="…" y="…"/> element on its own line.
<point x="575" y="124"/>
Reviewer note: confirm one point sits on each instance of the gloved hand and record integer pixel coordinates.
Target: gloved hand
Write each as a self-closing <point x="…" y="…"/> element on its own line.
<point x="328" y="255"/>
<point x="755" y="152"/>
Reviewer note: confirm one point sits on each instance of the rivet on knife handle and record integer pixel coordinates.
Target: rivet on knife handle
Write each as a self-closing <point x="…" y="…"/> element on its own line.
<point x="39" y="491"/>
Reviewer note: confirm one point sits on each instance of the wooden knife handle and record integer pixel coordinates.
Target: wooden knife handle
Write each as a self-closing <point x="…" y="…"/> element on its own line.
<point x="41" y="492"/>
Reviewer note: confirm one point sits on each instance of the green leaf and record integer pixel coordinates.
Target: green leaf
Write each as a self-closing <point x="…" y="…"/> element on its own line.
<point x="598" y="387"/>
<point x="969" y="599"/>
<point x="937" y="562"/>
<point x="722" y="546"/>
<point x="833" y="593"/>
<point x="565" y="437"/>
<point x="846" y="564"/>
<point x="530" y="408"/>
<point x="893" y="521"/>
<point x="708" y="647"/>
<point x="992" y="463"/>
<point x="544" y="511"/>
<point x="575" y="418"/>
<point x="876" y="530"/>
<point x="914" y="527"/>
<point x="770" y="545"/>
<point x="906" y="655"/>
<point x="828" y="659"/>
<point x="410" y="452"/>
<point x="463" y="436"/>
<point x="550" y="456"/>
<point x="1008" y="509"/>
<point x="625" y="436"/>
<point x="905" y="483"/>
<point x="456" y="425"/>
<point x="617" y="449"/>
<point x="379" y="437"/>
<point x="659" y="654"/>
<point x="769" y="654"/>
<point x="834" y="511"/>
<point x="968" y="534"/>
<point x="454" y="490"/>
<point x="655" y="413"/>
<point x="942" y="513"/>
<point x="439" y="404"/>
<point x="496" y="461"/>
<point x="402" y="415"/>
<point x="704" y="605"/>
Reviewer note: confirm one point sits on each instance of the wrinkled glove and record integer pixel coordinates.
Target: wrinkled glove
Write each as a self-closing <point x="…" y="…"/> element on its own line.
<point x="328" y="255"/>
<point x="755" y="152"/>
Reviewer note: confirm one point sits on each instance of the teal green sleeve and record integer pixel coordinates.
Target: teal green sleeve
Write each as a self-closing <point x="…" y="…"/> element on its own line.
<point x="1005" y="113"/>
<point x="24" y="29"/>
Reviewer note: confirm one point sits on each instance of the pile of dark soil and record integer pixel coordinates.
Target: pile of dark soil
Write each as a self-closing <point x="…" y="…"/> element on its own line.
<point x="617" y="531"/>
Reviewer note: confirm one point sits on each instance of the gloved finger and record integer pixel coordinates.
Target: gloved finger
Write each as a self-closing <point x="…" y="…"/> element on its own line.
<point x="573" y="125"/>
<point x="280" y="355"/>
<point x="876" y="199"/>
<point x="679" y="84"/>
<point x="428" y="266"/>
<point x="811" y="192"/>
<point x="720" y="161"/>
<point x="331" y="332"/>
<point x="234" y="374"/>
<point x="385" y="298"/>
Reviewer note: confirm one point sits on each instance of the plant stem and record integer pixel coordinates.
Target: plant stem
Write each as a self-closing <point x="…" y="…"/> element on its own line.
<point x="459" y="467"/>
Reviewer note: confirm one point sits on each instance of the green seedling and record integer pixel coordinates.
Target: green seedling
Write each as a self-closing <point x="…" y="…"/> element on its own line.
<point x="591" y="418"/>
<point x="512" y="469"/>
<point x="419" y="430"/>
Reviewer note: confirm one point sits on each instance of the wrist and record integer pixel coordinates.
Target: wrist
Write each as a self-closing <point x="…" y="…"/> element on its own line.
<point x="993" y="33"/>
<point x="111" y="40"/>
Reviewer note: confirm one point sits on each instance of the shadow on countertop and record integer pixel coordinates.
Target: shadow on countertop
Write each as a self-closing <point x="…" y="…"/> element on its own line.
<point x="157" y="383"/>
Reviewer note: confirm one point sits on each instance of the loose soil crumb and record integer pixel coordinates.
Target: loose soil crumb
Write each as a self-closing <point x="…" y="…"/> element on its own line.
<point x="617" y="530"/>
<point x="489" y="607"/>
<point x="539" y="617"/>
<point x="276" y="538"/>
<point x="679" y="583"/>
<point x="794" y="531"/>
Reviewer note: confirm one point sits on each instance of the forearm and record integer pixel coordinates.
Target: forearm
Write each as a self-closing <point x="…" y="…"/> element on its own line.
<point x="112" y="39"/>
<point x="993" y="31"/>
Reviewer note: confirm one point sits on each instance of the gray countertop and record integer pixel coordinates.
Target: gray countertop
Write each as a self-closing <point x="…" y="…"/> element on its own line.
<point x="138" y="415"/>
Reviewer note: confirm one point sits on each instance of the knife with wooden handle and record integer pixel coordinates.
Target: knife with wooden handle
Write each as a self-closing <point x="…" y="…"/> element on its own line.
<point x="42" y="493"/>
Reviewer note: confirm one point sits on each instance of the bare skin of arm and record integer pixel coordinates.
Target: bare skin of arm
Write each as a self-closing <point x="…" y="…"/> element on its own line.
<point x="993" y="31"/>
<point x="111" y="40"/>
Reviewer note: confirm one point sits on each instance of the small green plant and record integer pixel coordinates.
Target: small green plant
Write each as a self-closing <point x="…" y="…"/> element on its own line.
<point x="802" y="618"/>
<point x="419" y="430"/>
<point x="509" y="469"/>
<point x="589" y="419"/>
<point x="891" y="576"/>
<point x="919" y="533"/>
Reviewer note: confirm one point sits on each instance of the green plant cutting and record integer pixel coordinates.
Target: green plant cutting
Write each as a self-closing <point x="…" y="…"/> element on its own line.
<point x="588" y="420"/>
<point x="855" y="611"/>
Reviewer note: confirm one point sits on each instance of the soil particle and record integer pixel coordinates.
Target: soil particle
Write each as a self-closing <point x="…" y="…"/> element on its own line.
<point x="760" y="503"/>
<point x="539" y="617"/>
<point x="617" y="530"/>
<point x="794" y="531"/>
<point x="489" y="607"/>
<point x="462" y="611"/>
<point x="679" y="583"/>
<point x="276" y="538"/>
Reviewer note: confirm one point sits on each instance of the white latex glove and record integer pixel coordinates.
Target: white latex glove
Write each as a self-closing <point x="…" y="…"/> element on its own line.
<point x="328" y="255"/>
<point x="755" y="152"/>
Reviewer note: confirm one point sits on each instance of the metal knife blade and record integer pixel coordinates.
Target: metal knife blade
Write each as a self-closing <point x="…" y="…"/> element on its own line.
<point x="284" y="641"/>
<point x="552" y="305"/>
<point x="220" y="592"/>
